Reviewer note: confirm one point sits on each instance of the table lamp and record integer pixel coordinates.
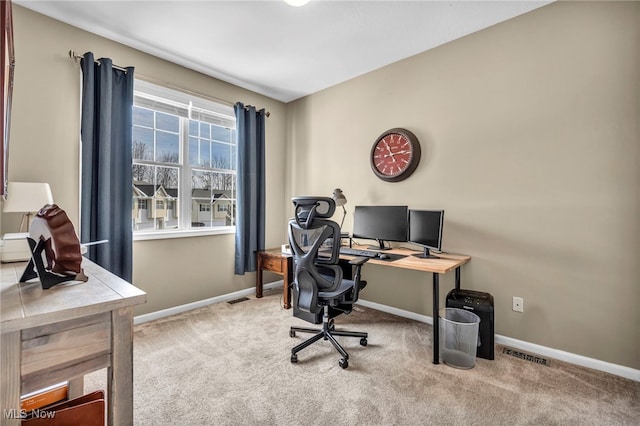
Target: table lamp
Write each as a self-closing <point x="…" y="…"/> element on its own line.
<point x="27" y="198"/>
<point x="340" y="200"/>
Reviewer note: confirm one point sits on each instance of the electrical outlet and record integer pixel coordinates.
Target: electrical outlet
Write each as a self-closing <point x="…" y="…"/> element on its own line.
<point x="518" y="304"/>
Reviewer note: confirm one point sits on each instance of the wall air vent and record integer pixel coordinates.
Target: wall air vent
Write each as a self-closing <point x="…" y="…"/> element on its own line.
<point x="526" y="357"/>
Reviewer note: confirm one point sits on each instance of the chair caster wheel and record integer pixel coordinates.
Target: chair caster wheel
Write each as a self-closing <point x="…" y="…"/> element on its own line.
<point x="292" y="333"/>
<point x="343" y="363"/>
<point x="294" y="359"/>
<point x="363" y="341"/>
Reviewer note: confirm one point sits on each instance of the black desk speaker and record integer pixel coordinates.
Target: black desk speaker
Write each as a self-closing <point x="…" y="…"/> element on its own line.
<point x="480" y="304"/>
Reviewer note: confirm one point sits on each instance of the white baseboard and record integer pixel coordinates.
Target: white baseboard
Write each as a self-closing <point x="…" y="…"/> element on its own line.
<point x="569" y="357"/>
<point x="139" y="319"/>
<point x="580" y="360"/>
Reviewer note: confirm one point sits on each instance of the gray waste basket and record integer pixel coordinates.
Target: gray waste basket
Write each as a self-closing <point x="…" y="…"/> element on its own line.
<point x="458" y="337"/>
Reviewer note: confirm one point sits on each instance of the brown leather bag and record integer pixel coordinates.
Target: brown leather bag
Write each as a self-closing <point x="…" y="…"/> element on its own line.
<point x="63" y="248"/>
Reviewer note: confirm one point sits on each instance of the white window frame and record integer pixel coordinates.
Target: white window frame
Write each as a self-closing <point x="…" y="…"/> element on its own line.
<point x="182" y="100"/>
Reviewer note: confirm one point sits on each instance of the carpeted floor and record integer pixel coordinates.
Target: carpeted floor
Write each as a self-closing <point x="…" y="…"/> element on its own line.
<point x="229" y="364"/>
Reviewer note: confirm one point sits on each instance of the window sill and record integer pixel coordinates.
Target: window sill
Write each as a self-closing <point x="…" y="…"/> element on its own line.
<point x="188" y="233"/>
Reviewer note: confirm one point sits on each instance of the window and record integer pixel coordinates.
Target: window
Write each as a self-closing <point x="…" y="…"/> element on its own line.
<point x="184" y="161"/>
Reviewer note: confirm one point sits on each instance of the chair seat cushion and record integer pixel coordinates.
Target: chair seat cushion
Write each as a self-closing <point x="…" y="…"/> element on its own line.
<point x="345" y="287"/>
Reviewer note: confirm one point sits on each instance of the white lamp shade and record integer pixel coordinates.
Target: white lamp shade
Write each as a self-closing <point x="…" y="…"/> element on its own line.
<point x="27" y="197"/>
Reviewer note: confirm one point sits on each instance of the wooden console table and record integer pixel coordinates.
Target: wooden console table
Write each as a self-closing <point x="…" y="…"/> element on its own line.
<point x="60" y="334"/>
<point x="273" y="260"/>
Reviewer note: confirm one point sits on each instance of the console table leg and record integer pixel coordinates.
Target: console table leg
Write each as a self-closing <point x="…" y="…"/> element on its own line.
<point x="10" y="379"/>
<point x="76" y="387"/>
<point x="120" y="373"/>
<point x="436" y="318"/>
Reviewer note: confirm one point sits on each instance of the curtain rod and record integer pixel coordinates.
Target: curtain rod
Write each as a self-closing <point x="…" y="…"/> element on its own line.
<point x="76" y="57"/>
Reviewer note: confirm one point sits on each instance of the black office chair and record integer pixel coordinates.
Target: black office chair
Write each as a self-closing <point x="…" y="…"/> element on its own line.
<point x="318" y="284"/>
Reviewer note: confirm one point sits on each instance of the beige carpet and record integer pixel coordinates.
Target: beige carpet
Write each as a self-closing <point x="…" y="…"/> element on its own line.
<point x="229" y="364"/>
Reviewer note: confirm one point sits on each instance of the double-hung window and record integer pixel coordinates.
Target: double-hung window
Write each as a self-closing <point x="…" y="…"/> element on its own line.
<point x="184" y="162"/>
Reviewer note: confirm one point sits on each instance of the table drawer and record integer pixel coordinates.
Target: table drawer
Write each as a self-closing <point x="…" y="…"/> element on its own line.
<point x="273" y="264"/>
<point x="67" y="344"/>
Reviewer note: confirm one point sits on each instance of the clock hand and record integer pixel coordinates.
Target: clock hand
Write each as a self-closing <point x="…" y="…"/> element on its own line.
<point x="396" y="153"/>
<point x="390" y="153"/>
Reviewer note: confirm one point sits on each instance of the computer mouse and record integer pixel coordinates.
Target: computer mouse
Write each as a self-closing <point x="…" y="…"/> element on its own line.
<point x="384" y="256"/>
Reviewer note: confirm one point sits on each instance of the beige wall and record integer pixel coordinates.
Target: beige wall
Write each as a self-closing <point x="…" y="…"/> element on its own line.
<point x="45" y="147"/>
<point x="530" y="140"/>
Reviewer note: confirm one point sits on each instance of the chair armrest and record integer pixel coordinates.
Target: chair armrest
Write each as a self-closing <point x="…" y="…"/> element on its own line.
<point x="358" y="261"/>
<point x="359" y="284"/>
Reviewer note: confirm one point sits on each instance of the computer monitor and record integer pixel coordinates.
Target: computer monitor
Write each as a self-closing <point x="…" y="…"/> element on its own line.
<point x="381" y="223"/>
<point x="425" y="229"/>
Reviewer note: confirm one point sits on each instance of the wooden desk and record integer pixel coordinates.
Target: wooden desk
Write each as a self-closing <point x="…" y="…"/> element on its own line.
<point x="60" y="334"/>
<point x="274" y="260"/>
<point x="446" y="263"/>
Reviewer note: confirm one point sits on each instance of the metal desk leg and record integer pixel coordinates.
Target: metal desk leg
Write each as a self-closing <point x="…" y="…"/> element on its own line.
<point x="436" y="318"/>
<point x="436" y="312"/>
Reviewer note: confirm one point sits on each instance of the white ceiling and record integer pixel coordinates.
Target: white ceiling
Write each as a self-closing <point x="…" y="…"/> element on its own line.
<point x="278" y="50"/>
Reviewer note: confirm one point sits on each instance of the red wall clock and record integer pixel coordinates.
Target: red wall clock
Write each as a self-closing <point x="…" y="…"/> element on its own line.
<point x="395" y="155"/>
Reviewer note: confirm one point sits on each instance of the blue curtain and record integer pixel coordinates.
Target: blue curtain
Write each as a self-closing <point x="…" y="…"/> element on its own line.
<point x="250" y="221"/>
<point x="105" y="211"/>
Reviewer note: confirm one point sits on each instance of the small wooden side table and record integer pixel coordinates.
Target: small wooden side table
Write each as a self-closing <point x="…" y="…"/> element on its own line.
<point x="273" y="260"/>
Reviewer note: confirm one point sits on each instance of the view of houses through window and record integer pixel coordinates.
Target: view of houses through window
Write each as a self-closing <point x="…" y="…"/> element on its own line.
<point x="184" y="161"/>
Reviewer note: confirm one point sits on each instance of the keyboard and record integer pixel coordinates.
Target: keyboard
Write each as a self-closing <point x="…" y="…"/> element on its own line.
<point x="354" y="252"/>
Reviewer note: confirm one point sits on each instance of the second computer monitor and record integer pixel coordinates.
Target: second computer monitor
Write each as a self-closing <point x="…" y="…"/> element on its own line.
<point x="425" y="229"/>
<point x="381" y="223"/>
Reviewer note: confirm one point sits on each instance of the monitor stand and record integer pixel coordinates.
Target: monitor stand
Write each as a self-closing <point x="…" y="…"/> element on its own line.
<point x="380" y="246"/>
<point x="426" y="254"/>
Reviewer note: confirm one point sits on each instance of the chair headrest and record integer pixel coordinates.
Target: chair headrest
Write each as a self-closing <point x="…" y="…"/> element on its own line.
<point x="308" y="208"/>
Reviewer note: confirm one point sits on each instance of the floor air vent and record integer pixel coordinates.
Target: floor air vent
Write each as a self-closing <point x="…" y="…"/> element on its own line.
<point x="526" y="357"/>
<point x="234" y="301"/>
